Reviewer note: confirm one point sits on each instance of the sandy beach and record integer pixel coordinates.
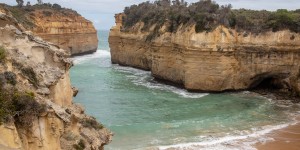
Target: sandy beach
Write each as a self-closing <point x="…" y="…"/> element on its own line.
<point x="284" y="139"/>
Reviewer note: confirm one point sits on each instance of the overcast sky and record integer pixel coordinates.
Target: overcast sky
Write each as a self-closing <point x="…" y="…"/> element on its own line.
<point x="101" y="12"/>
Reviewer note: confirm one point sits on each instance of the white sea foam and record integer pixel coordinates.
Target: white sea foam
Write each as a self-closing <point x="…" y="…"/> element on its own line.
<point x="138" y="77"/>
<point x="244" y="142"/>
<point x="96" y="55"/>
<point x="144" y="78"/>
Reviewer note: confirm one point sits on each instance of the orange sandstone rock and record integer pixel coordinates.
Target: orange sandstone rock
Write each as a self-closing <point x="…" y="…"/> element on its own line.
<point x="220" y="60"/>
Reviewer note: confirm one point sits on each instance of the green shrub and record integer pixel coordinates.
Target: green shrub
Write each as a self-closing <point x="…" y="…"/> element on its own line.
<point x="20" y="14"/>
<point x="80" y="145"/>
<point x="2" y="54"/>
<point x="25" y="15"/>
<point x="10" y="77"/>
<point x="30" y="74"/>
<point x="26" y="109"/>
<point x="91" y="123"/>
<point x="56" y="6"/>
<point x="283" y="19"/>
<point x="6" y="107"/>
<point x="206" y="15"/>
<point x="20" y="106"/>
<point x="27" y="72"/>
<point x="47" y="13"/>
<point x="31" y="94"/>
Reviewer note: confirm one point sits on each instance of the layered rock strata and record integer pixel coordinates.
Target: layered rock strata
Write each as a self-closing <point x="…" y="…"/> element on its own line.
<point x="220" y="60"/>
<point x="41" y="70"/>
<point x="63" y="27"/>
<point x="70" y="31"/>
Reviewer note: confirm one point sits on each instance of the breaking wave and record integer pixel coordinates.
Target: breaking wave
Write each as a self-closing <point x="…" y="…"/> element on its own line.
<point x="144" y="78"/>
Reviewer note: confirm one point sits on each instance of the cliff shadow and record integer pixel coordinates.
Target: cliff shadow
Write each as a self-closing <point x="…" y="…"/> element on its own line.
<point x="275" y="86"/>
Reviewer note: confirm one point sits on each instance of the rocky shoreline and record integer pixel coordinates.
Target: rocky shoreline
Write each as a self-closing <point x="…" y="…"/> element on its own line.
<point x="278" y="95"/>
<point x="270" y="93"/>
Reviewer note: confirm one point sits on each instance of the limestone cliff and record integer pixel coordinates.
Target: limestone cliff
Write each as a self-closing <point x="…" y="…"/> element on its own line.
<point x="63" y="27"/>
<point x="220" y="60"/>
<point x="36" y="88"/>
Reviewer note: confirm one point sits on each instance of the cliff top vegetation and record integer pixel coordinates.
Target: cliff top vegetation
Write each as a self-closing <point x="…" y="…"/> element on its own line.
<point x="25" y="14"/>
<point x="206" y="15"/>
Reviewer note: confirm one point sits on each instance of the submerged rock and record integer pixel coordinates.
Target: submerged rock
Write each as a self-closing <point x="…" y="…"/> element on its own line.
<point x="75" y="91"/>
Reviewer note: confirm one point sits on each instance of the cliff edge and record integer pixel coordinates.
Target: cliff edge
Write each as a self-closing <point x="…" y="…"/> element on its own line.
<point x="60" y="26"/>
<point x="216" y="60"/>
<point x="36" y="108"/>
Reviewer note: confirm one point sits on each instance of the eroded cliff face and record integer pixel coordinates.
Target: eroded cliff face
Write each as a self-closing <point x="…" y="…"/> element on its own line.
<point x="220" y="60"/>
<point x="63" y="27"/>
<point x="70" y="31"/>
<point x="41" y="70"/>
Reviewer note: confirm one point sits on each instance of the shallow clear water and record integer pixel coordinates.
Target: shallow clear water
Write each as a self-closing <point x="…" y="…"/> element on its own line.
<point x="143" y="113"/>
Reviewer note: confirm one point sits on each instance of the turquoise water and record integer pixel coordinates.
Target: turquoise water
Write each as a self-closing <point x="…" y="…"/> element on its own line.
<point x="143" y="113"/>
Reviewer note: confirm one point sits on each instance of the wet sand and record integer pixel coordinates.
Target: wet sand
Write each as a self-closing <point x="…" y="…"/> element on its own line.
<point x="284" y="139"/>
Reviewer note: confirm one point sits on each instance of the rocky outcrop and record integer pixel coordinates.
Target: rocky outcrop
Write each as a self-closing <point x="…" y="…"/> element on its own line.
<point x="70" y="31"/>
<point x="63" y="27"/>
<point x="40" y="70"/>
<point x="220" y="60"/>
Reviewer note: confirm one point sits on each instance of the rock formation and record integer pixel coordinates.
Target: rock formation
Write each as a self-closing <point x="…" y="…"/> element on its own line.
<point x="63" y="27"/>
<point x="35" y="83"/>
<point x="219" y="60"/>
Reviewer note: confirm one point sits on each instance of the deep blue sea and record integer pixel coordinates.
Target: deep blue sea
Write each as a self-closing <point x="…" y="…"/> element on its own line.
<point x="145" y="114"/>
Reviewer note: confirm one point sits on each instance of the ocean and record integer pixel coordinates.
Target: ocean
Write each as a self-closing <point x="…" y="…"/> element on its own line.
<point x="146" y="114"/>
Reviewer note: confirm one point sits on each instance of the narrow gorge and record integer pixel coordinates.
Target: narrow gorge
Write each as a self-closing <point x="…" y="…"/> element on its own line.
<point x="169" y="75"/>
